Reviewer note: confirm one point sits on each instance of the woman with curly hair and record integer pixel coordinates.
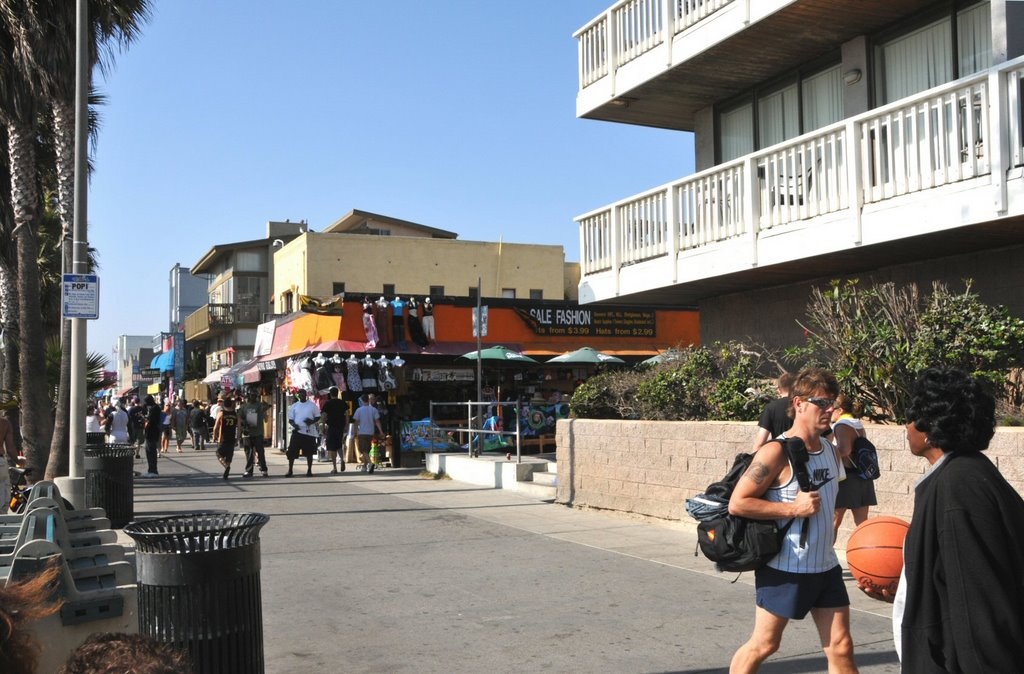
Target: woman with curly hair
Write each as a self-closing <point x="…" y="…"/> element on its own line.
<point x="958" y="606"/>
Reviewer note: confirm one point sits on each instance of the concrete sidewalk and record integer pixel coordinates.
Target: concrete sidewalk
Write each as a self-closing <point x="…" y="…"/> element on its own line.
<point x="391" y="572"/>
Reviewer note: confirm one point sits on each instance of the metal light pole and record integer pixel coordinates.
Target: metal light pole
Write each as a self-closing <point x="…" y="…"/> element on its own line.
<point x="73" y="487"/>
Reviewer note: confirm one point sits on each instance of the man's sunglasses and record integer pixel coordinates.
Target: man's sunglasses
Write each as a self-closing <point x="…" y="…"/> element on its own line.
<point x="823" y="403"/>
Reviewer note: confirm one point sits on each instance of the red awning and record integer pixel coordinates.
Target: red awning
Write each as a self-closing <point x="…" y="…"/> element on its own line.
<point x="279" y="349"/>
<point x="252" y="375"/>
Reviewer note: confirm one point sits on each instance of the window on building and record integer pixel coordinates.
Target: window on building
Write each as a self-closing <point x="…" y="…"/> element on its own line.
<point x="247" y="290"/>
<point x="536" y="294"/>
<point x="801" y="105"/>
<point x="286" y="302"/>
<point x="437" y="291"/>
<point x="389" y="289"/>
<point x="508" y="293"/>
<point x="250" y="260"/>
<point x="933" y="54"/>
<point x="337" y="288"/>
<point x="472" y="292"/>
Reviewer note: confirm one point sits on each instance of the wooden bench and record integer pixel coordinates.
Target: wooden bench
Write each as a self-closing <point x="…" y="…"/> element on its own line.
<point x="539" y="442"/>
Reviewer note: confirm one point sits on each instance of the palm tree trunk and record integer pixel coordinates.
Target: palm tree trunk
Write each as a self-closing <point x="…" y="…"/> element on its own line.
<point x="9" y="323"/>
<point x="36" y="413"/>
<point x="64" y="141"/>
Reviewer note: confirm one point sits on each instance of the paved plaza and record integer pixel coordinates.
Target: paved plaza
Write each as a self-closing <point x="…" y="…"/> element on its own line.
<point x="391" y="572"/>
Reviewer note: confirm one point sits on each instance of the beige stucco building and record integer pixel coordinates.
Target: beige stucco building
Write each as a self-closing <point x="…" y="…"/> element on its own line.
<point x="369" y="254"/>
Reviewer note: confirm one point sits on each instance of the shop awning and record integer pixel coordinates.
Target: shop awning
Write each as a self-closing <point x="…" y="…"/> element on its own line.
<point x="164" y="361"/>
<point x="122" y="393"/>
<point x="214" y="377"/>
<point x="234" y="375"/>
<point x="252" y="375"/>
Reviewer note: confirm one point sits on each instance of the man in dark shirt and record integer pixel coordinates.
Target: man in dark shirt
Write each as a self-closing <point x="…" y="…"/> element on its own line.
<point x="775" y="419"/>
<point x="335" y="419"/>
<point x="153" y="431"/>
<point x="137" y="425"/>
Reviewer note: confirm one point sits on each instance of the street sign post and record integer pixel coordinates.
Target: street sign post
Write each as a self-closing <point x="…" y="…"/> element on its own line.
<point x="81" y="296"/>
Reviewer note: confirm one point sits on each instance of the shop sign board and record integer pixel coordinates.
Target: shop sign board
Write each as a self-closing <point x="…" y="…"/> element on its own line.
<point x="150" y="373"/>
<point x="576" y="321"/>
<point x="81" y="296"/>
<point x="443" y="374"/>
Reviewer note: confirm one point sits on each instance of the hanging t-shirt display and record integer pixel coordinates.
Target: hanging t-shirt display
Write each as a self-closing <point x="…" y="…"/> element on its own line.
<point x="415" y="328"/>
<point x="355" y="382"/>
<point x="398" y="321"/>
<point x="427" y="319"/>
<point x="369" y="325"/>
<point x="383" y="320"/>
<point x="368" y="374"/>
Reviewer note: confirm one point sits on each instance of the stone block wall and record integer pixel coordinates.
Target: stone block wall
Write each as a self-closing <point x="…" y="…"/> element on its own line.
<point x="652" y="467"/>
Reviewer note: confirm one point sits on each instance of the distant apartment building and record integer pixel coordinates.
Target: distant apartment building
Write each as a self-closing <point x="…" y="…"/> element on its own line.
<point x="237" y="295"/>
<point x="845" y="138"/>
<point x="132" y="353"/>
<point x="187" y="294"/>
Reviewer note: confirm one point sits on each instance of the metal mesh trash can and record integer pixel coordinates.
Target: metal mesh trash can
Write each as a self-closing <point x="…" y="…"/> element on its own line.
<point x="199" y="587"/>
<point x="109" y="482"/>
<point x="94" y="440"/>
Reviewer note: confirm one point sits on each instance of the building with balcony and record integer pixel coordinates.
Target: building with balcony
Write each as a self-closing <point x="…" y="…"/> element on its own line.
<point x="238" y="289"/>
<point x="834" y="138"/>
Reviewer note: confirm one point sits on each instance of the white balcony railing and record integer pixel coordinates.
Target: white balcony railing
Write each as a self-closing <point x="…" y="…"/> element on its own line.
<point x="949" y="134"/>
<point x="633" y="27"/>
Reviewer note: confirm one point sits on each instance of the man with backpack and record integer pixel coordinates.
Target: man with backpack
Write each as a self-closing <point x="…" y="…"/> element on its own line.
<point x="805" y="576"/>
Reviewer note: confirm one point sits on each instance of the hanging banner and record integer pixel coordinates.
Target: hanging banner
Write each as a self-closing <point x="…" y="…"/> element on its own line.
<point x="572" y="320"/>
<point x="482" y="321"/>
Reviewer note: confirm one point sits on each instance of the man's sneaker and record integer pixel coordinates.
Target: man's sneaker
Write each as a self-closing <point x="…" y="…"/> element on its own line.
<point x="150" y="475"/>
<point x="372" y="466"/>
<point x="334" y="471"/>
<point x="247" y="473"/>
<point x="265" y="473"/>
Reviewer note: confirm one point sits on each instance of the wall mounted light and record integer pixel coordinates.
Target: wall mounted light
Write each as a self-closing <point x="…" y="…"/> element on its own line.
<point x="851" y="77"/>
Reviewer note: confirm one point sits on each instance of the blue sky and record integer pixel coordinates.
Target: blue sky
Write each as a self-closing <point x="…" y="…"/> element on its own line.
<point x="458" y="114"/>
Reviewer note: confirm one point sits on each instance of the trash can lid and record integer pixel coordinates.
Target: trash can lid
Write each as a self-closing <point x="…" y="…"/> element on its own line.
<point x="111" y="450"/>
<point x="197" y="532"/>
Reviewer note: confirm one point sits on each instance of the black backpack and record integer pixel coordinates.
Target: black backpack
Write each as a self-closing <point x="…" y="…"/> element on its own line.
<point x="865" y="458"/>
<point x="736" y="543"/>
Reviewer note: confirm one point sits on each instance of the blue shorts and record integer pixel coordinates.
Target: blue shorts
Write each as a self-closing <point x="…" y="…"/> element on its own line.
<point x="792" y="595"/>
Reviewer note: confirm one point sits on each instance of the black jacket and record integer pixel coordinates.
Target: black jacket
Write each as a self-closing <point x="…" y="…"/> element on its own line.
<point x="964" y="558"/>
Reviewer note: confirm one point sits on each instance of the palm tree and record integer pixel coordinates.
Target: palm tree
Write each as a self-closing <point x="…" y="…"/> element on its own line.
<point x="47" y="56"/>
<point x="111" y="22"/>
<point x="21" y="96"/>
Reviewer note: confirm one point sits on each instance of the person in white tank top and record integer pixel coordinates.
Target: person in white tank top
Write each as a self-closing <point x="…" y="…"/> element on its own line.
<point x="804" y="577"/>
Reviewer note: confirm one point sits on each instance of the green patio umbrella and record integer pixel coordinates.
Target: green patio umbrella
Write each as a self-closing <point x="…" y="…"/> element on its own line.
<point x="585" y="355"/>
<point x="664" y="356"/>
<point x="498" y="354"/>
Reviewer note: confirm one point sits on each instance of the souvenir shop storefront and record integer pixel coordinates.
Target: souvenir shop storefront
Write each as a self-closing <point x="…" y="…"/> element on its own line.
<point x="407" y="366"/>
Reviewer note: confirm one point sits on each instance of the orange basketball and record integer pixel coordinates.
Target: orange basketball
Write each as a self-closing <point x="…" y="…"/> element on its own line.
<point x="874" y="552"/>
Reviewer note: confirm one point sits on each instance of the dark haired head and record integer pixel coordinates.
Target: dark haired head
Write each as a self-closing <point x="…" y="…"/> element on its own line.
<point x="848" y="405"/>
<point x="953" y="409"/>
<point x="110" y="653"/>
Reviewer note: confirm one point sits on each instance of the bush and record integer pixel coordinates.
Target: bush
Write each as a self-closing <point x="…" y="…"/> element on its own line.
<point x="878" y="339"/>
<point x="608" y="395"/>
